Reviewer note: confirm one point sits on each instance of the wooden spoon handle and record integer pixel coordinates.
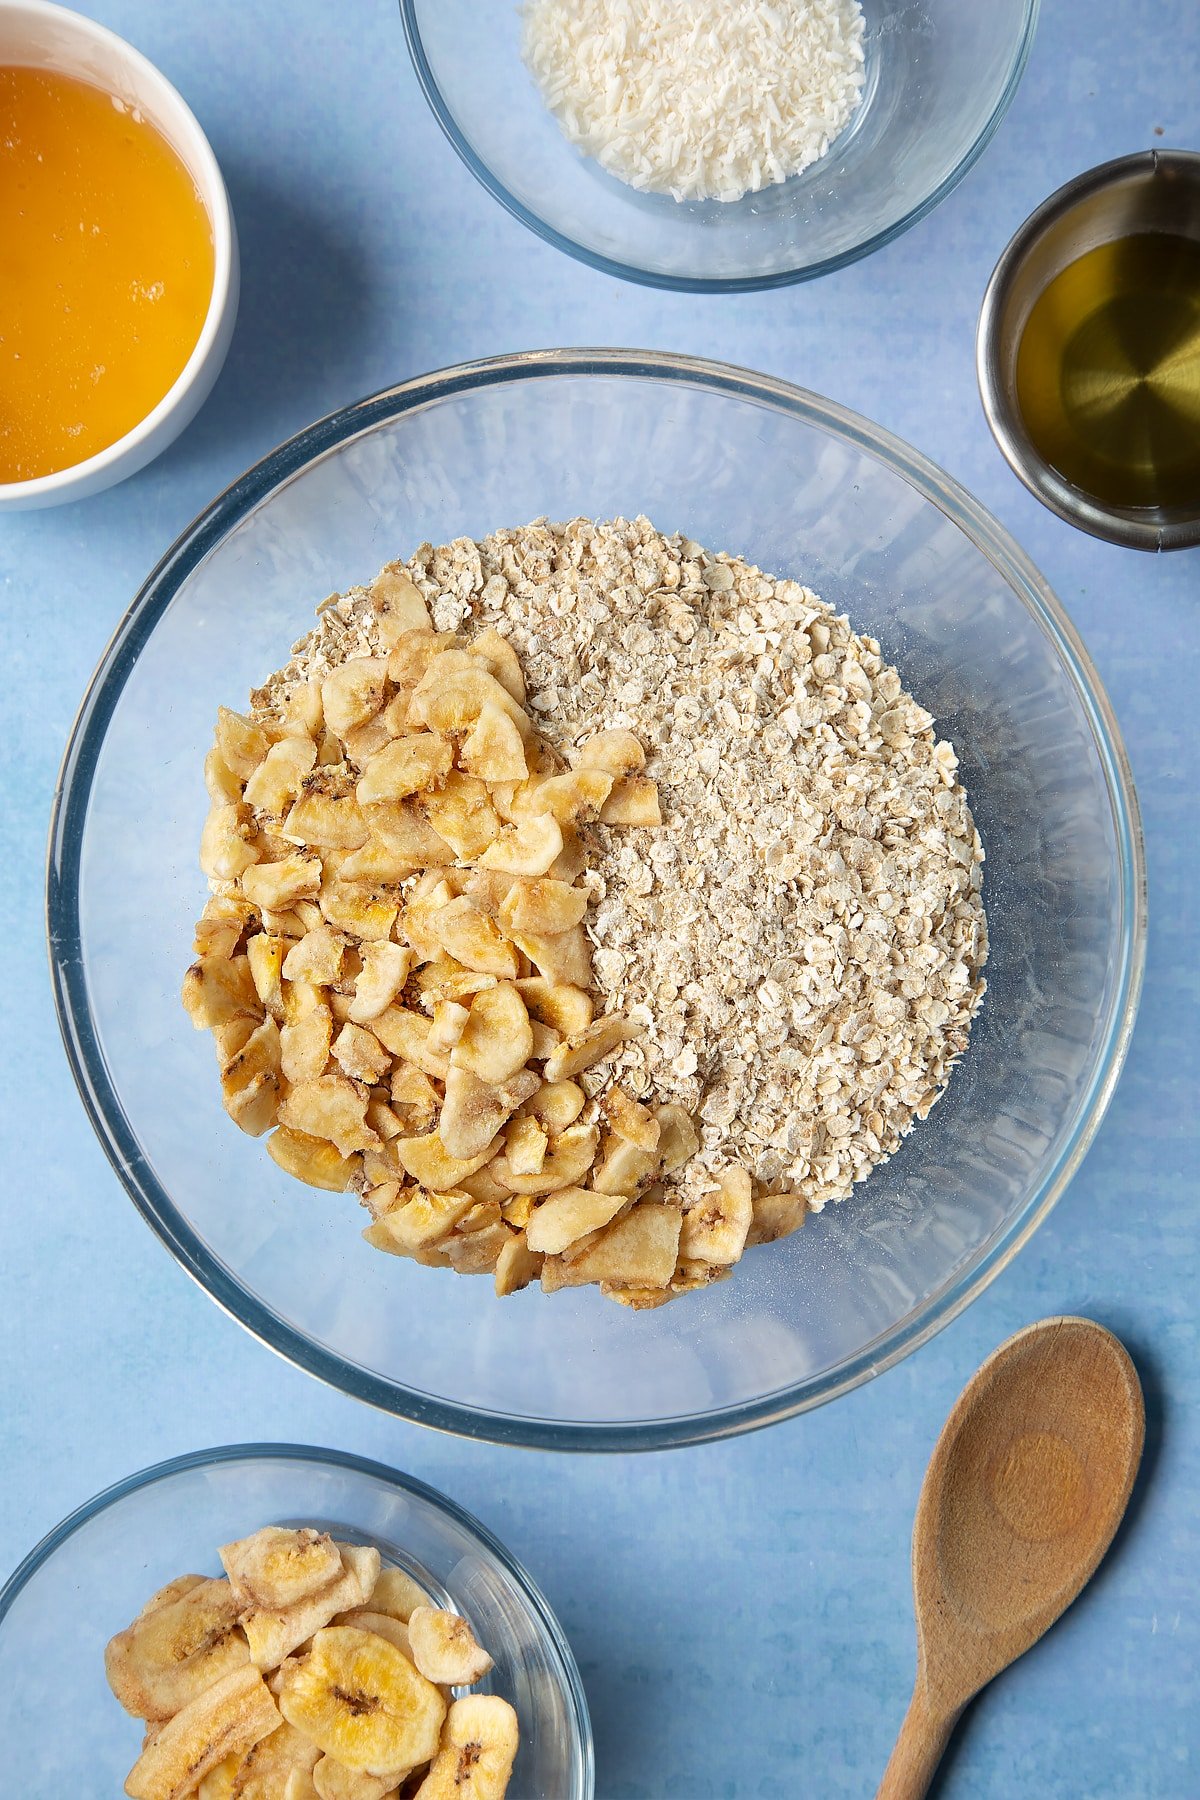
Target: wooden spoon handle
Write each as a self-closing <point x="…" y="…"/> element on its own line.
<point x="923" y="1737"/>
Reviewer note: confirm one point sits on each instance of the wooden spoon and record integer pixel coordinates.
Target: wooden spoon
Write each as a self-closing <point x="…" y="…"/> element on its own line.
<point x="1026" y="1486"/>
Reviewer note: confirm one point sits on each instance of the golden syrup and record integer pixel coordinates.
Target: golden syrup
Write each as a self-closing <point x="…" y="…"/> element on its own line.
<point x="1108" y="372"/>
<point x="106" y="270"/>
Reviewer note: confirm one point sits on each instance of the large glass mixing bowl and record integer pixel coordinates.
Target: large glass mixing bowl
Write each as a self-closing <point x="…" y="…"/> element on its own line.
<point x="803" y="488"/>
<point x="939" y="77"/>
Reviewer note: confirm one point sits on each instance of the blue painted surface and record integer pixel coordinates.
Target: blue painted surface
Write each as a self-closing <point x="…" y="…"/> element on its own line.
<point x="741" y="1613"/>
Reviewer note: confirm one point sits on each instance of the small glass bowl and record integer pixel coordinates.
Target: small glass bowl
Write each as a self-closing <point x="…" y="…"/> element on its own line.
<point x="939" y="78"/>
<point x="803" y="488"/>
<point x="63" y="1731"/>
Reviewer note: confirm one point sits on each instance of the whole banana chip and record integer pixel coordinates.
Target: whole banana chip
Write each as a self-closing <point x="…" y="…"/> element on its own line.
<point x="226" y="1719"/>
<point x="479" y="1747"/>
<point x="274" y="1632"/>
<point x="176" y="1648"/>
<point x="364" y="1703"/>
<point x="277" y="1568"/>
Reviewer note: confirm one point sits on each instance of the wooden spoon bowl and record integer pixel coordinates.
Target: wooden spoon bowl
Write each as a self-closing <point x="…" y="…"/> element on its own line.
<point x="1026" y="1487"/>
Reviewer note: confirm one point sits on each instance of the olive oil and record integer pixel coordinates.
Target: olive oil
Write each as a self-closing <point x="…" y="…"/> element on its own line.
<point x="106" y="270"/>
<point x="1108" y="372"/>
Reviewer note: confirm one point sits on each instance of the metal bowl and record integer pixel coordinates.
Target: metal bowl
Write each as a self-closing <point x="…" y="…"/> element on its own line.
<point x="1154" y="191"/>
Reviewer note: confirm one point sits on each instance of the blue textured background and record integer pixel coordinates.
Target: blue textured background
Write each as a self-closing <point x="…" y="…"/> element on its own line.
<point x="741" y="1613"/>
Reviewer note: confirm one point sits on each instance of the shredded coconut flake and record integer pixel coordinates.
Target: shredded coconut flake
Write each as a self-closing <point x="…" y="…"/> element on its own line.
<point x="700" y="99"/>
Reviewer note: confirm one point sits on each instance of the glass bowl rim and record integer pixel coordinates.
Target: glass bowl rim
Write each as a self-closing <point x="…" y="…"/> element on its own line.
<point x="65" y="948"/>
<point x="707" y="284"/>
<point x="537" y="1605"/>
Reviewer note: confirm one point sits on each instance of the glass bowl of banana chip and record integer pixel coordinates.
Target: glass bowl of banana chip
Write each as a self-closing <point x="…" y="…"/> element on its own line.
<point x="282" y="1623"/>
<point x="462" y="855"/>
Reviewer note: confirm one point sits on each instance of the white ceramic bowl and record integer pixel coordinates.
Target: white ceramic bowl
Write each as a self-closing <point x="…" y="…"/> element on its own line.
<point x="35" y="34"/>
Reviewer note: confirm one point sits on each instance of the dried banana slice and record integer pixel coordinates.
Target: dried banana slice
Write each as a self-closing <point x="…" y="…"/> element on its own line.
<point x="445" y="1649"/>
<point x="273" y="1633"/>
<point x="227" y="1719"/>
<point x="716" y="1227"/>
<point x="277" y="1568"/>
<point x="263" y="1773"/>
<point x="334" y="1781"/>
<point x="479" y="1747"/>
<point x="176" y="1649"/>
<point x="363" y="1703"/>
<point x="397" y="1594"/>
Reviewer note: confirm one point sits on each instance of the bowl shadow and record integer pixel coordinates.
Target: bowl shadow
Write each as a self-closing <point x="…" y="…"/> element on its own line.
<point x="297" y="350"/>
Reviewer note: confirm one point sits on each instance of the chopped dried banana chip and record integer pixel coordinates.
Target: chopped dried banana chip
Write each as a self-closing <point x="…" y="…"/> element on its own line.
<point x="631" y="1120"/>
<point x="565" y="958"/>
<point x="570" y="1156"/>
<point x="516" y="1266"/>
<point x="406" y="765"/>
<point x="312" y="1160"/>
<point x="385" y="969"/>
<point x="633" y="801"/>
<point x="474" y="1111"/>
<point x="431" y="1165"/>
<point x="503" y="661"/>
<point x="227" y="850"/>
<point x="318" y="958"/>
<point x="525" y="1143"/>
<point x="278" y="885"/>
<point x="776" y="1216"/>
<point x="715" y="1228"/>
<point x="354" y="692"/>
<point x="360" y="1054"/>
<point x="591" y="1045"/>
<point x="496" y="1039"/>
<point x="529" y="848"/>
<point x="276" y="782"/>
<point x="618" y="752"/>
<point x="461" y="931"/>
<point x="564" y="1008"/>
<point x="305" y="1043"/>
<point x="639" y="1250"/>
<point x="406" y="1034"/>
<point x="398" y="603"/>
<point x="421" y="1220"/>
<point x="568" y="1215"/>
<point x="542" y="906"/>
<point x="326" y="815"/>
<point x="242" y="743"/>
<point x="625" y="1168"/>
<point x="556" y="1104"/>
<point x="494" y="749"/>
<point x="329" y="1107"/>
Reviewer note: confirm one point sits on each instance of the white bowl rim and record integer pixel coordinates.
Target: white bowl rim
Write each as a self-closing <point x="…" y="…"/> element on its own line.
<point x="71" y="995"/>
<point x="201" y="164"/>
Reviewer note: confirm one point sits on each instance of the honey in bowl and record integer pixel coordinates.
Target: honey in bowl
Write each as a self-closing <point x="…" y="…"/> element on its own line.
<point x="106" y="270"/>
<point x="1108" y="372"/>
